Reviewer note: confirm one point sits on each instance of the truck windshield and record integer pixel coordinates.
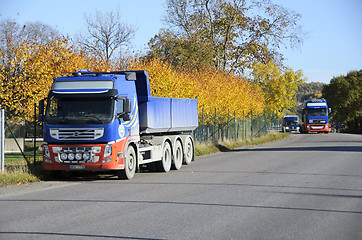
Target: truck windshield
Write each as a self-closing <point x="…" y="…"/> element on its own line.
<point x="317" y="111"/>
<point x="78" y="111"/>
<point x="291" y="122"/>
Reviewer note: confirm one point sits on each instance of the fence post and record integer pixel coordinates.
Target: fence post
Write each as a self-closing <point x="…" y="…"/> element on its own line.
<point x="227" y="125"/>
<point x="202" y="138"/>
<point x="34" y="135"/>
<point x="2" y="141"/>
<point x="251" y="125"/>
<point x="266" y="123"/>
<point x="243" y="129"/>
<point x="235" y="127"/>
<point x="214" y="130"/>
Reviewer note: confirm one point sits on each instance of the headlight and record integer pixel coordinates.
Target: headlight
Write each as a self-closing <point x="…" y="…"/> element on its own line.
<point x="71" y="156"/>
<point x="63" y="156"/>
<point x="107" y="150"/>
<point x="85" y="156"/>
<point x="78" y="156"/>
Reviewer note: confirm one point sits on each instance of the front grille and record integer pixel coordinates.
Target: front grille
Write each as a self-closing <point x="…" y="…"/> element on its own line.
<point x="318" y="121"/>
<point x="76" y="133"/>
<point x="317" y="127"/>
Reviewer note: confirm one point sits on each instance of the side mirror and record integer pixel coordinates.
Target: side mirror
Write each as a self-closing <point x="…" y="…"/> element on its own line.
<point x="330" y="110"/>
<point x="126" y="117"/>
<point x="124" y="108"/>
<point x="127" y="106"/>
<point x="41" y="110"/>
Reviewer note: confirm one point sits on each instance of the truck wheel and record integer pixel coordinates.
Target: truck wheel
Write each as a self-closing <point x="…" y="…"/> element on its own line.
<point x="129" y="164"/>
<point x="177" y="156"/>
<point x="165" y="164"/>
<point x="189" y="151"/>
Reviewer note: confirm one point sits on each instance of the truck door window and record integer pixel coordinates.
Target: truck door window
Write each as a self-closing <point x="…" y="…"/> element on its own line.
<point x="120" y="106"/>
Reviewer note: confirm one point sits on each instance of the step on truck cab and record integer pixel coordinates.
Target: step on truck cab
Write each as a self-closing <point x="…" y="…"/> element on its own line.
<point x="108" y="121"/>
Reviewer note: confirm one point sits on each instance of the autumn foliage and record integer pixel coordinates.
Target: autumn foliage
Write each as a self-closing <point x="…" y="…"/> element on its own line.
<point x="26" y="77"/>
<point x="215" y="90"/>
<point x="28" y="69"/>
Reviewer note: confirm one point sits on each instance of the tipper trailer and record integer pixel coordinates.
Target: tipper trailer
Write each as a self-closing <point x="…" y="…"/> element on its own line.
<point x="108" y="121"/>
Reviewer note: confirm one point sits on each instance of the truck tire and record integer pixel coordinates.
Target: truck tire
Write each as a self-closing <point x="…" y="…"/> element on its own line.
<point x="165" y="164"/>
<point x="130" y="164"/>
<point x="177" y="156"/>
<point x="189" y="151"/>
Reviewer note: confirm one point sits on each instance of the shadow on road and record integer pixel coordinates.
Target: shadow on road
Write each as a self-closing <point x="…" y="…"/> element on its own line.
<point x="295" y="149"/>
<point x="50" y="234"/>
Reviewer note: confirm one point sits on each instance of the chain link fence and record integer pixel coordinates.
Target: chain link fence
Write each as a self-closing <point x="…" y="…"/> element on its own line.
<point x="237" y="129"/>
<point x="22" y="141"/>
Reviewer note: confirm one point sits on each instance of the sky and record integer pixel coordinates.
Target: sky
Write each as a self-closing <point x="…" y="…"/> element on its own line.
<point x="333" y="46"/>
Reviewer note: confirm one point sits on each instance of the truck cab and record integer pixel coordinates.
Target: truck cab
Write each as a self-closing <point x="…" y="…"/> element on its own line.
<point x="315" y="116"/>
<point x="108" y="121"/>
<point x="290" y="123"/>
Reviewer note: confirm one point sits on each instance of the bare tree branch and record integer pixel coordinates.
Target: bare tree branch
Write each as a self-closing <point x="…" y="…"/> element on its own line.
<point x="106" y="33"/>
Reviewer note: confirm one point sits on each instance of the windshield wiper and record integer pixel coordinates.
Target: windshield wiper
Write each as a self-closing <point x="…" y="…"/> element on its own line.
<point x="63" y="119"/>
<point x="92" y="116"/>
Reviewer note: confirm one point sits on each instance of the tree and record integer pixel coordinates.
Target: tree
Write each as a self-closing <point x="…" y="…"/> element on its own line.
<point x="215" y="90"/>
<point x="105" y="33"/>
<point x="181" y="52"/>
<point x="234" y="34"/>
<point x="29" y="61"/>
<point x="12" y="34"/>
<point x="309" y="91"/>
<point x="279" y="86"/>
<point x="344" y="96"/>
<point x="40" y="32"/>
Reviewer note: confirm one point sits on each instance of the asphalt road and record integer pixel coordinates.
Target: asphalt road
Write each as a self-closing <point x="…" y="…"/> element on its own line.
<point x="304" y="187"/>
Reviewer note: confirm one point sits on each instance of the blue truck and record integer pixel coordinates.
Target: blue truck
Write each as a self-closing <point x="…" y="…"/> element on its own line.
<point x="290" y="123"/>
<point x="108" y="121"/>
<point x="315" y="116"/>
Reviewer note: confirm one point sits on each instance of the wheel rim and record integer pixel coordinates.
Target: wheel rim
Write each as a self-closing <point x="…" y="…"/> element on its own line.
<point x="166" y="161"/>
<point x="130" y="163"/>
<point x="188" y="151"/>
<point x="178" y="156"/>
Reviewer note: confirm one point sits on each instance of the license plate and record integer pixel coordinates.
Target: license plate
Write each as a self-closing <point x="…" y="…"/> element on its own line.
<point x="76" y="167"/>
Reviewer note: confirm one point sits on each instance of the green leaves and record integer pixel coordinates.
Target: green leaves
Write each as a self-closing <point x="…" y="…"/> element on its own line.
<point x="344" y="96"/>
<point x="226" y="35"/>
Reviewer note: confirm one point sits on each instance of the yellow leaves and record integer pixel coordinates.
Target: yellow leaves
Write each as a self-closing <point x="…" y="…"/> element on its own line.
<point x="28" y="70"/>
<point x="28" y="76"/>
<point x="214" y="89"/>
<point x="279" y="85"/>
